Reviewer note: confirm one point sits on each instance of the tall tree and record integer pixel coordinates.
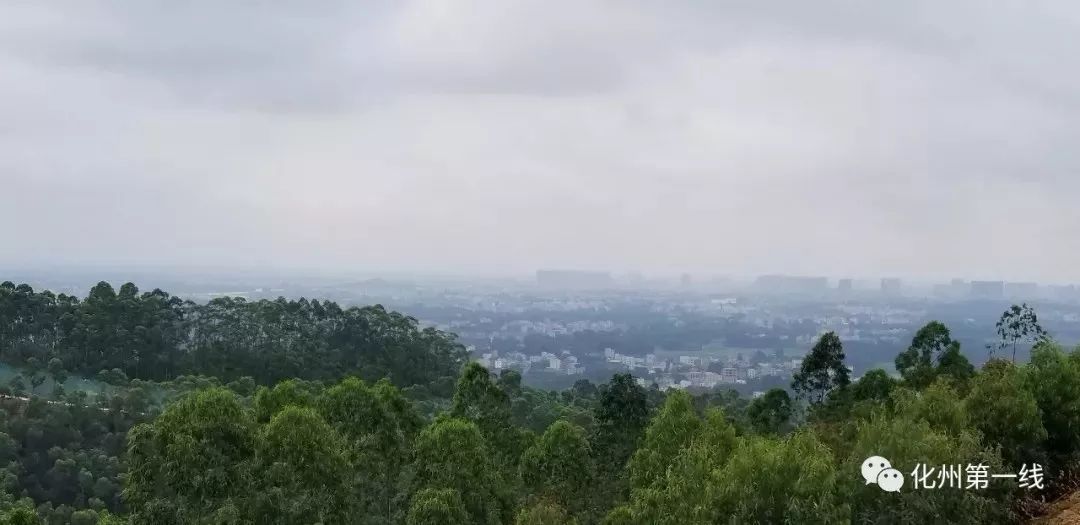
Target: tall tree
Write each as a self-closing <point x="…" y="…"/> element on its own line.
<point x="875" y="385"/>
<point x="771" y="413"/>
<point x="270" y="401"/>
<point x="300" y="471"/>
<point x="191" y="461"/>
<point x="510" y="383"/>
<point x="20" y="515"/>
<point x="558" y="467"/>
<point x="379" y="426"/>
<point x="917" y="364"/>
<point x="621" y="417"/>
<point x="1019" y="324"/>
<point x="437" y="507"/>
<point x="451" y="454"/>
<point x="1053" y="378"/>
<point x="822" y="371"/>
<point x="793" y="480"/>
<point x="56" y="370"/>
<point x="954" y="365"/>
<point x="687" y="491"/>
<point x="481" y="400"/>
<point x="1006" y="413"/>
<point x="669" y="432"/>
<point x="940" y="405"/>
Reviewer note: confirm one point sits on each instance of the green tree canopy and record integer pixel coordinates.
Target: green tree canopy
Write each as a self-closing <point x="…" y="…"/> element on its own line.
<point x="379" y="426"/>
<point x="301" y="470"/>
<point x="686" y="493"/>
<point x="670" y="431"/>
<point x="1053" y="378"/>
<point x="793" y="480"/>
<point x="558" y="467"/>
<point x="917" y="364"/>
<point x="875" y="385"/>
<point x="192" y="459"/>
<point x="481" y="400"/>
<point x="437" y="507"/>
<point x="451" y="454"/>
<point x="906" y="440"/>
<point x="953" y="365"/>
<point x="940" y="405"/>
<point x="771" y="413"/>
<point x="154" y="335"/>
<point x="621" y="418"/>
<point x="1007" y="414"/>
<point x="1019" y="324"/>
<point x="270" y="401"/>
<point x="544" y="513"/>
<point x="822" y="371"/>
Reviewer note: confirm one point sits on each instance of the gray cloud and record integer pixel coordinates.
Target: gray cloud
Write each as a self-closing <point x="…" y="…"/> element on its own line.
<point x="836" y="137"/>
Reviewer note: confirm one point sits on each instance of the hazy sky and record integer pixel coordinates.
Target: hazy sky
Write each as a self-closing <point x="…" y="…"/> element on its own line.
<point x="917" y="138"/>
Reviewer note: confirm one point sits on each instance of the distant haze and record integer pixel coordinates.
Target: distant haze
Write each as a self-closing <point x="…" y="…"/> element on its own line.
<point x="913" y="139"/>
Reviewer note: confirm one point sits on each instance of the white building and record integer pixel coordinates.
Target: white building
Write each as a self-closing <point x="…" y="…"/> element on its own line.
<point x="690" y="360"/>
<point x="704" y="379"/>
<point x="729" y="375"/>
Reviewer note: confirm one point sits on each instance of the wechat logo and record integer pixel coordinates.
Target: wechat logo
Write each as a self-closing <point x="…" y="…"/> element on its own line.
<point x="878" y="470"/>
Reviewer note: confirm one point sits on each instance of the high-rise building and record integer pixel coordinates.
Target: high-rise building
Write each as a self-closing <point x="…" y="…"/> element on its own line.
<point x="1022" y="290"/>
<point x="845" y="285"/>
<point x="955" y="289"/>
<point x="891" y="286"/>
<point x="569" y="279"/>
<point x="792" y="284"/>
<point x="729" y="375"/>
<point x="1066" y="292"/>
<point x="987" y="289"/>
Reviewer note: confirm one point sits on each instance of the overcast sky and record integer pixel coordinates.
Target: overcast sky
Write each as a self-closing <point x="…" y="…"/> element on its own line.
<point x="916" y="138"/>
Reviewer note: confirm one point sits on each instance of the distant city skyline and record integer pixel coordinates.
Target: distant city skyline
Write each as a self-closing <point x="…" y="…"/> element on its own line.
<point x="86" y="275"/>
<point x="697" y="275"/>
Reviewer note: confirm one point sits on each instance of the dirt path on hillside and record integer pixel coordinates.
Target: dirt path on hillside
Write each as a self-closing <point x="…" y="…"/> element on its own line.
<point x="1065" y="511"/>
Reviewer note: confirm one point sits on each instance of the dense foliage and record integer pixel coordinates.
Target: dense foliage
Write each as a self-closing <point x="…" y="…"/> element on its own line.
<point x="685" y="464"/>
<point x="157" y="336"/>
<point x="65" y="457"/>
<point x="353" y="440"/>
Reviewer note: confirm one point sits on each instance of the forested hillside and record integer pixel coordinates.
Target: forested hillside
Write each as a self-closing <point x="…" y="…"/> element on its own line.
<point x="155" y="336"/>
<point x="304" y="413"/>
